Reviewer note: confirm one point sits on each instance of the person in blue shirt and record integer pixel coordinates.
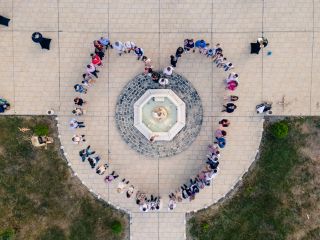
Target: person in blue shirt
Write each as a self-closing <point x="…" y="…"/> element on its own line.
<point x="201" y="44"/>
<point x="105" y="42"/>
<point x="221" y="141"/>
<point x="139" y="52"/>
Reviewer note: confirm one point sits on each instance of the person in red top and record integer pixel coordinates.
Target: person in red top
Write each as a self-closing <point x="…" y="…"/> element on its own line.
<point x="96" y="60"/>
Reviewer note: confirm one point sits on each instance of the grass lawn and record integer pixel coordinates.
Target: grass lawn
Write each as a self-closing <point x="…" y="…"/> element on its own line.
<point x="279" y="198"/>
<point x="39" y="199"/>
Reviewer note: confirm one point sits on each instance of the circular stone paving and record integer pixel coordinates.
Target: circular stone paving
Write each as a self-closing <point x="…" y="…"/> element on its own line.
<point x="135" y="139"/>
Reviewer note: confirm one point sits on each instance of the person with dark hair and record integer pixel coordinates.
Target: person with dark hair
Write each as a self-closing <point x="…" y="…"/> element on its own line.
<point x="84" y="153"/>
<point x="194" y="186"/>
<point x="111" y="177"/>
<point x="173" y="61"/>
<point x="232" y="76"/>
<point x="79" y="101"/>
<point x="179" y="52"/>
<point x="99" y="53"/>
<point x="91" y="69"/>
<point x="76" y="139"/>
<point x="80" y="88"/>
<point x="101" y="169"/>
<point x="217" y="58"/>
<point x="233" y="98"/>
<point x="168" y="71"/>
<point x="78" y="111"/>
<point x="139" y="52"/>
<point x="210" y="52"/>
<point x="93" y="161"/>
<point x="221" y="61"/>
<point x="213" y="163"/>
<point x="227" y="66"/>
<point x="97" y="44"/>
<point x="211" y="174"/>
<point x="186" y="192"/>
<point x="155" y="77"/>
<point x="188" y="45"/>
<point x="220" y="133"/>
<point x="264" y="107"/>
<point x="224" y="122"/>
<point x="87" y="81"/>
<point x="229" y="108"/>
<point x="147" y="65"/>
<point x="130" y="191"/>
<point x="217" y="50"/>
<point x="96" y="60"/>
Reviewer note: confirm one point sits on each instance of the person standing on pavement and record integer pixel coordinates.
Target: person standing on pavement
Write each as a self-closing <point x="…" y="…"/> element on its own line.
<point x="91" y="69"/>
<point x="139" y="52"/>
<point x="105" y="42"/>
<point x="119" y="47"/>
<point x="229" y="108"/>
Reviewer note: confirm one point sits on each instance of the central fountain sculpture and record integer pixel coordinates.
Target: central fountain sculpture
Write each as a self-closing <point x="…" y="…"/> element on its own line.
<point x="159" y="114"/>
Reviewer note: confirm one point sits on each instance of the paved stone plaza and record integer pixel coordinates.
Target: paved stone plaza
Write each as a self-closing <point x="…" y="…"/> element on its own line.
<point x="35" y="80"/>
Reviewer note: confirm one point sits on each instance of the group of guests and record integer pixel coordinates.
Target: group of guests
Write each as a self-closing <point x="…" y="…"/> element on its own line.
<point x="4" y="105"/>
<point x="87" y="154"/>
<point x="215" y="53"/>
<point x="146" y="203"/>
<point x="204" y="178"/>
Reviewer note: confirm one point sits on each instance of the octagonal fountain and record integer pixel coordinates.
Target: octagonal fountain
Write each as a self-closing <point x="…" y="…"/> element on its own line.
<point x="170" y="117"/>
<point x="159" y="113"/>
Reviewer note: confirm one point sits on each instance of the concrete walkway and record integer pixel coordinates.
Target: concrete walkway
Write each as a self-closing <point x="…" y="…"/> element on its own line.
<point x="35" y="80"/>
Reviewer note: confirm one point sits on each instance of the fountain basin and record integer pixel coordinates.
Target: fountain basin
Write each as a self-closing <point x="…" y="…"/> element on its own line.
<point x="160" y="113"/>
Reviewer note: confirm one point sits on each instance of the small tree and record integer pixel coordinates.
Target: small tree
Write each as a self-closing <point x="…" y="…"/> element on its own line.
<point x="116" y="227"/>
<point x="280" y="129"/>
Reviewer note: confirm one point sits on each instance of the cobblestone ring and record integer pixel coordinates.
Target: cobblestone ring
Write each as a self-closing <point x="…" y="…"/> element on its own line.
<point x="135" y="139"/>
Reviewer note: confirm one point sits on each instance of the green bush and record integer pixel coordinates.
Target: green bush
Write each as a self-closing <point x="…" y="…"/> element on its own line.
<point x="53" y="233"/>
<point x="7" y="234"/>
<point x="280" y="129"/>
<point x="41" y="130"/>
<point x="116" y="227"/>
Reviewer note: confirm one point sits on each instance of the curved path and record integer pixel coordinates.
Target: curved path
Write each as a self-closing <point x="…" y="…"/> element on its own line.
<point x="158" y="176"/>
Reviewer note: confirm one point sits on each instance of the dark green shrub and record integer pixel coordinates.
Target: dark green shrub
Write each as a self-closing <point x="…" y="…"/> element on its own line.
<point x="280" y="129"/>
<point x="53" y="233"/>
<point x="116" y="227"/>
<point x="7" y="234"/>
<point x="41" y="130"/>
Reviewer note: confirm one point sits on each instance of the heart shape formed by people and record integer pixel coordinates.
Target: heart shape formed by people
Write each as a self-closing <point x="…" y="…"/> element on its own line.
<point x="158" y="114"/>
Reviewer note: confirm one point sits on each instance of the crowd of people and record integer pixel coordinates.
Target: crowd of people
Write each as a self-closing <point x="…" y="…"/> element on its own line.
<point x="149" y="202"/>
